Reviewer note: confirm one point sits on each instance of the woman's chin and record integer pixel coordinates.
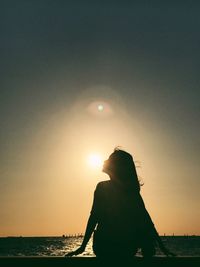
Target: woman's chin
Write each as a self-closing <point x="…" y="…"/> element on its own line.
<point x="104" y="170"/>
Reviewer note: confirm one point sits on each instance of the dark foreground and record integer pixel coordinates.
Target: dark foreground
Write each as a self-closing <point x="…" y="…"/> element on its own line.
<point x="95" y="262"/>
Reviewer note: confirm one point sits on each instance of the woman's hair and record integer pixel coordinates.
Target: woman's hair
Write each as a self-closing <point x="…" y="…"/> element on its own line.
<point x="122" y="167"/>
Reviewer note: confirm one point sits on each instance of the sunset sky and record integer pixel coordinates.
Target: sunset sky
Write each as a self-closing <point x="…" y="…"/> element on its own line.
<point x="79" y="78"/>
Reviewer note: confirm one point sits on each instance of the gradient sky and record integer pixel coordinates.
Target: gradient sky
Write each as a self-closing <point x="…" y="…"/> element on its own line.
<point x="59" y="59"/>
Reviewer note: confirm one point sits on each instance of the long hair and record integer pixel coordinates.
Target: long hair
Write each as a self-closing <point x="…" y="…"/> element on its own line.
<point x="122" y="168"/>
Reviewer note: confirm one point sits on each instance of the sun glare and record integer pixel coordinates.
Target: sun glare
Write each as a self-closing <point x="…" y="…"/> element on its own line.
<point x="95" y="161"/>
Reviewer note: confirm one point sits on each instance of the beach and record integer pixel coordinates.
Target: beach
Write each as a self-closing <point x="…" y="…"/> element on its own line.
<point x="93" y="261"/>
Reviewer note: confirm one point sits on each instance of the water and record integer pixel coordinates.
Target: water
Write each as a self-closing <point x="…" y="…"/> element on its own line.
<point x="59" y="246"/>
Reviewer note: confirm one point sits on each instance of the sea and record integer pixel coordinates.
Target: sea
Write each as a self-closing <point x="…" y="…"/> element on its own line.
<point x="182" y="246"/>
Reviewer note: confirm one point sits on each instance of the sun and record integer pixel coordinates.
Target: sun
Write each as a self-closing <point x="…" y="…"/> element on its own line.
<point x="95" y="161"/>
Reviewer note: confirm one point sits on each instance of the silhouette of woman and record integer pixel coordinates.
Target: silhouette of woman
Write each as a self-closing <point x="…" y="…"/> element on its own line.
<point x="119" y="219"/>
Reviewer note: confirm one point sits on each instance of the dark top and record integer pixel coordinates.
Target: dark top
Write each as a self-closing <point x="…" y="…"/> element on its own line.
<point x="122" y="219"/>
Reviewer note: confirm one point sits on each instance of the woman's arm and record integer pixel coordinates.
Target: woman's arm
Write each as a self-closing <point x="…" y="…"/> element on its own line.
<point x="161" y="245"/>
<point x="91" y="224"/>
<point x="88" y="232"/>
<point x="154" y="232"/>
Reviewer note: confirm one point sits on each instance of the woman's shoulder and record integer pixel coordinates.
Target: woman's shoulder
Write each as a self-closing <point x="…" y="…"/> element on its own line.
<point x="103" y="184"/>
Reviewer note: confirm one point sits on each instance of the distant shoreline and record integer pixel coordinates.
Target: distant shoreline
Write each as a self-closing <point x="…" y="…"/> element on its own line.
<point x="80" y="236"/>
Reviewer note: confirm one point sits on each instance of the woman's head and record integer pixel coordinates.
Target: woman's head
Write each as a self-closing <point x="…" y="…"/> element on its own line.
<point x="120" y="167"/>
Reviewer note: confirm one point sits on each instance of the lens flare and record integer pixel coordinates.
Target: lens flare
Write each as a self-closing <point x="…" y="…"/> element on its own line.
<point x="100" y="107"/>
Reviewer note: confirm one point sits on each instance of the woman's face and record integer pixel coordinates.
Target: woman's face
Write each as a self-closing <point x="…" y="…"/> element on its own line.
<point x="105" y="166"/>
<point x="108" y="166"/>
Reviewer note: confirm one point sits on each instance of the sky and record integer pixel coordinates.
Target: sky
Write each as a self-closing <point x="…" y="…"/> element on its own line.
<point x="61" y="61"/>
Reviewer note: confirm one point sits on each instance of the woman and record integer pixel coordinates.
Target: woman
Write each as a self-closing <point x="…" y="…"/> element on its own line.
<point x="118" y="219"/>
